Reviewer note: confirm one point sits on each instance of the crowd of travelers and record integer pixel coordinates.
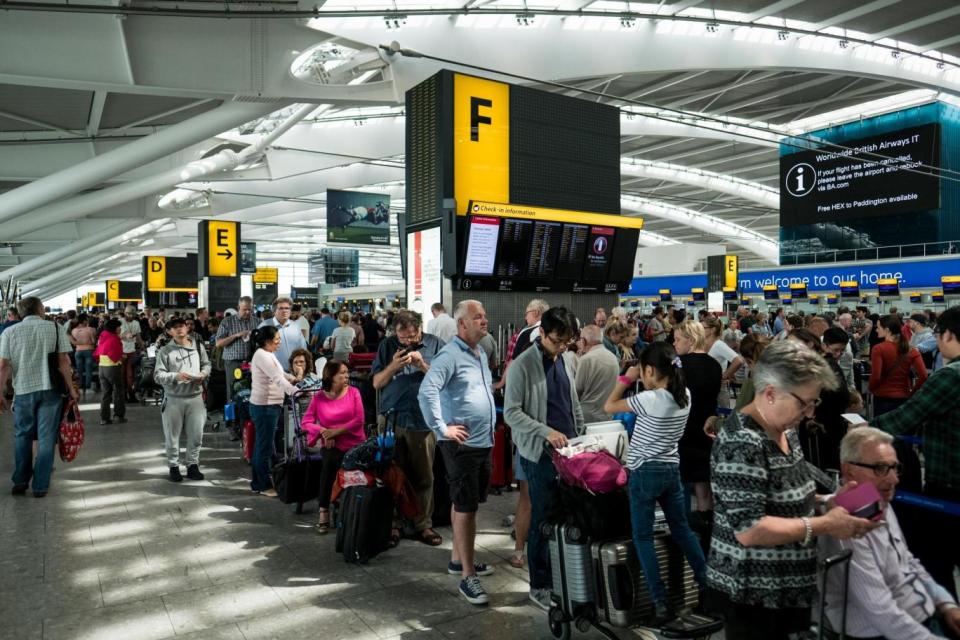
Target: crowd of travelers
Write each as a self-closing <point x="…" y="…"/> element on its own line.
<point x="744" y="432"/>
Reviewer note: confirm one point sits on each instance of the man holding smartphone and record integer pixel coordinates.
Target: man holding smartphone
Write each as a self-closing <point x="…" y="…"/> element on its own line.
<point x="401" y="363"/>
<point x="182" y="366"/>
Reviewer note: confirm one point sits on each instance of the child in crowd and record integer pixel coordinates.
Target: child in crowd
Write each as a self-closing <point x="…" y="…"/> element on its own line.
<point x="654" y="463"/>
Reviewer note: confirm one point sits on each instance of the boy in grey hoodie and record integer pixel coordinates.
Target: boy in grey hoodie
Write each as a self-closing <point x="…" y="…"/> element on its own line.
<point x="182" y="366"/>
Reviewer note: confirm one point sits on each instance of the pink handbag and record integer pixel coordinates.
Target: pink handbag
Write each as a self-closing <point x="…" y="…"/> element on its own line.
<point x="595" y="471"/>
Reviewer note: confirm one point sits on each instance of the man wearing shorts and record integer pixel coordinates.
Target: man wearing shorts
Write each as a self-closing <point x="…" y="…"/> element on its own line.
<point x="457" y="404"/>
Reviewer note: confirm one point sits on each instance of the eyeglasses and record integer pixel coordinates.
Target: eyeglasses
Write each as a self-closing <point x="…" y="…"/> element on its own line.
<point x="806" y="405"/>
<point x="284" y="308"/>
<point x="881" y="469"/>
<point x="560" y="343"/>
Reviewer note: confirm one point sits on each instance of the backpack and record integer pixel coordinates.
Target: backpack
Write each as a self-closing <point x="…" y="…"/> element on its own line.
<point x="648" y="330"/>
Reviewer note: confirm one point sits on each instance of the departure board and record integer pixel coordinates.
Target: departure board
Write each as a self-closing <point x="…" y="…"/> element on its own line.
<point x="515" y="238"/>
<point x="543" y="249"/>
<point x="573" y="247"/>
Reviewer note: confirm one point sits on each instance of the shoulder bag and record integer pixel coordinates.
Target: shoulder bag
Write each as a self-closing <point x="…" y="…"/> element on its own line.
<point x="71" y="432"/>
<point x="57" y="383"/>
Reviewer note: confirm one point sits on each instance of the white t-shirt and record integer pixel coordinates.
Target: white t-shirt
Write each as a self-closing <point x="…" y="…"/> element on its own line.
<point x="343" y="339"/>
<point x="722" y="353"/>
<point x="304" y="325"/>
<point x="443" y="326"/>
<point x="659" y="426"/>
<point x="129" y="328"/>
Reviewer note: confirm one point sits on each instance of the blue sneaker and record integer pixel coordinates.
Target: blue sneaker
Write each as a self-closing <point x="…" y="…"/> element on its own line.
<point x="480" y="569"/>
<point x="472" y="590"/>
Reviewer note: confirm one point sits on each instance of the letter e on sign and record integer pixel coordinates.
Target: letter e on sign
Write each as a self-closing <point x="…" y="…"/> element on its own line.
<point x="223" y="248"/>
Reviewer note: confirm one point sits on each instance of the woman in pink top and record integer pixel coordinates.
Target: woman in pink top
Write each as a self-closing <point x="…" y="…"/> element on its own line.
<point x="84" y="338"/>
<point x="268" y="384"/>
<point x="334" y="420"/>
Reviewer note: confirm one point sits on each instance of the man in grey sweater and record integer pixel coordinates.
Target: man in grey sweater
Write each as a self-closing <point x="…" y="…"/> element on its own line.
<point x="182" y="366"/>
<point x="541" y="406"/>
<point x="595" y="373"/>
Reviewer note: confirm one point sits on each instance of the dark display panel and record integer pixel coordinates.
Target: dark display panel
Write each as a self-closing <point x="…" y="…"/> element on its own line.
<point x="830" y="185"/>
<point x="850" y="291"/>
<point x="699" y="296"/>
<point x="426" y="166"/>
<point x="666" y="295"/>
<point x="512" y="254"/>
<point x="798" y="293"/>
<point x="916" y="299"/>
<point x="564" y="152"/>
<point x="771" y="294"/>
<point x="730" y="296"/>
<point x="888" y="289"/>
<point x="786" y="302"/>
<point x="936" y="297"/>
<point x="951" y="285"/>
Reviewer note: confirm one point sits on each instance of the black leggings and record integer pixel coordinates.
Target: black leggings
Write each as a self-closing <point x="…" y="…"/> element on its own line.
<point x="332" y="458"/>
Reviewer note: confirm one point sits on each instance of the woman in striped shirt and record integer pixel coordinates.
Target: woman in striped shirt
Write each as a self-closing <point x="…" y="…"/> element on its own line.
<point x="654" y="463"/>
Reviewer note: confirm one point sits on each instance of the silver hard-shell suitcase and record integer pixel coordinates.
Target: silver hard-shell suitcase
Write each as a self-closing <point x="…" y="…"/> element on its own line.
<point x="571" y="567"/>
<point x="622" y="597"/>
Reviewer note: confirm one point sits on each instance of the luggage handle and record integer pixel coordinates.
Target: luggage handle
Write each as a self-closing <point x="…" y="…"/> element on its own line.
<point x="840" y="559"/>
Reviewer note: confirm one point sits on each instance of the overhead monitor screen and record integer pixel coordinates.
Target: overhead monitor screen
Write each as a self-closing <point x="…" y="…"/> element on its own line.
<point x="698" y="295"/>
<point x="544" y="246"/>
<point x="798" y="291"/>
<point x="514" y="248"/>
<point x="358" y="218"/>
<point x="771" y="293"/>
<point x="936" y="297"/>
<point x="599" y="253"/>
<point x="950" y="284"/>
<point x="786" y="302"/>
<point x="482" y="246"/>
<point x="883" y="174"/>
<point x="573" y="248"/>
<point x="850" y="289"/>
<point x="666" y="295"/>
<point x="915" y="298"/>
<point x="730" y="295"/>
<point x="888" y="288"/>
<point x="832" y="299"/>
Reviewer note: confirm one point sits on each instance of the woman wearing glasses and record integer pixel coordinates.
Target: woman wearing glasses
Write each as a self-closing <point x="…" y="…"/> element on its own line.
<point x="762" y="565"/>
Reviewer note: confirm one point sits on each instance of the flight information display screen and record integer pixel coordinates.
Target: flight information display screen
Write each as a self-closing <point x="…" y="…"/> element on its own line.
<point x="888" y="289"/>
<point x="850" y="289"/>
<point x="514" y="254"/>
<point x="771" y="293"/>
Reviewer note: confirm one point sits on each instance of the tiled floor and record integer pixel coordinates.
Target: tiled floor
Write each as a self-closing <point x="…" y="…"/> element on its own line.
<point x="115" y="551"/>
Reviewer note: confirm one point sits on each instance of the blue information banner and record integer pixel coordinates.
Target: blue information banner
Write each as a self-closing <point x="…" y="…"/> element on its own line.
<point x="917" y="274"/>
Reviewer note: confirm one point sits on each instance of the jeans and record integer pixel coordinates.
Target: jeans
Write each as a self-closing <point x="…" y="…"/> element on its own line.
<point x="541" y="482"/>
<point x="265" y="418"/>
<point x="36" y="415"/>
<point x="659" y="482"/>
<point x="84" y="360"/>
<point x="886" y="405"/>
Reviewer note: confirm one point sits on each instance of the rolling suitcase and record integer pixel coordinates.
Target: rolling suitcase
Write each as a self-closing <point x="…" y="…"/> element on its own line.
<point x="622" y="596"/>
<point x="364" y="517"/>
<point x="501" y="465"/>
<point x="572" y="569"/>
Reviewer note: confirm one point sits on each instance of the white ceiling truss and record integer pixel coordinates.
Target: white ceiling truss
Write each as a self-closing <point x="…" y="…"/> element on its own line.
<point x="250" y="112"/>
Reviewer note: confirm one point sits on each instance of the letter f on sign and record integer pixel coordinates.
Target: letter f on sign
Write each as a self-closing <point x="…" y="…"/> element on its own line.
<point x="475" y="118"/>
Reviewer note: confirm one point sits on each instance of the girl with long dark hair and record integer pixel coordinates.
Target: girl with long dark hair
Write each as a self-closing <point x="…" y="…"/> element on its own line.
<point x="653" y="459"/>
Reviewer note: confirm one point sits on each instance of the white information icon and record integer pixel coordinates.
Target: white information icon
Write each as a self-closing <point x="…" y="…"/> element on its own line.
<point x="801" y="180"/>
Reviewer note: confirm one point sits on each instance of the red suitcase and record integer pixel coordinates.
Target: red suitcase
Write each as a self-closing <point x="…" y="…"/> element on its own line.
<point x="249" y="439"/>
<point x="360" y="362"/>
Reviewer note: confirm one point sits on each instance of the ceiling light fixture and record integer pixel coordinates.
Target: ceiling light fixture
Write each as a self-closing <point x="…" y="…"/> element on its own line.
<point x="525" y="19"/>
<point x="713" y="27"/>
<point x="783" y="34"/>
<point x="394" y="22"/>
<point x="627" y="21"/>
<point x="844" y="44"/>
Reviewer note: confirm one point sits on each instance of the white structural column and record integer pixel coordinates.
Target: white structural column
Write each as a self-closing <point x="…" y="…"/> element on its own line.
<point x="95" y="242"/>
<point x="765" y="247"/>
<point x="92" y="172"/>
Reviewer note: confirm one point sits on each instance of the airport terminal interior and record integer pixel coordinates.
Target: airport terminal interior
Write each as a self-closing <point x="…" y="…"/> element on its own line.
<point x="259" y="226"/>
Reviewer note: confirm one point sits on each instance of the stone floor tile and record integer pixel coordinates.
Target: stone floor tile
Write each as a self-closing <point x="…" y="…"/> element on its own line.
<point x="418" y="605"/>
<point x="221" y="604"/>
<point x="331" y="621"/>
<point x="142" y="620"/>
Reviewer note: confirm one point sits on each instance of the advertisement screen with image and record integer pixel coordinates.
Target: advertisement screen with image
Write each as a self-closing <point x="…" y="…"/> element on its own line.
<point x="599" y="253"/>
<point x="358" y="218"/>
<point x="424" y="279"/>
<point x="883" y="174"/>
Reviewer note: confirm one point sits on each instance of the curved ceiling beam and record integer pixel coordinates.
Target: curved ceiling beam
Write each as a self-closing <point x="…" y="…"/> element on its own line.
<point x="651" y="239"/>
<point x="564" y="51"/>
<point x="765" y="247"/>
<point x="712" y="180"/>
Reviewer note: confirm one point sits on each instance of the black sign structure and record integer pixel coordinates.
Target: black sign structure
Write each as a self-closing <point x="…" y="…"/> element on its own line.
<point x="248" y="257"/>
<point x="881" y="175"/>
<point x="515" y="254"/>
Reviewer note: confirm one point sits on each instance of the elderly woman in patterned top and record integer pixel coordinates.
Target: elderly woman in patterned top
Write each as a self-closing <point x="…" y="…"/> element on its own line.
<point x="761" y="569"/>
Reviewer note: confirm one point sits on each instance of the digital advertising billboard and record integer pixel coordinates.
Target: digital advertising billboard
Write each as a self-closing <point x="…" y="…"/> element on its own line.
<point x="883" y="174"/>
<point x="357" y="218"/>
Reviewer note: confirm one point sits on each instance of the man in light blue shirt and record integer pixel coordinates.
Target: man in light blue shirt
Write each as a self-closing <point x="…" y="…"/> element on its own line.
<point x="323" y="329"/>
<point x="457" y="404"/>
<point x="291" y="338"/>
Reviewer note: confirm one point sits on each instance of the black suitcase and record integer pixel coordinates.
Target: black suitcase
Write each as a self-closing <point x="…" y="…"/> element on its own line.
<point x="622" y="596"/>
<point x="364" y="518"/>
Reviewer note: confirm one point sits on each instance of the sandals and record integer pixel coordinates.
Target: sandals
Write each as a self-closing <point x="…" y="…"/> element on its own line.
<point x="517" y="559"/>
<point x="432" y="539"/>
<point x="394" y="538"/>
<point x="323" y="521"/>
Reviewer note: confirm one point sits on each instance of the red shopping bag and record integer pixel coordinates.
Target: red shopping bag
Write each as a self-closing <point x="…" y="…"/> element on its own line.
<point x="71" y="432"/>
